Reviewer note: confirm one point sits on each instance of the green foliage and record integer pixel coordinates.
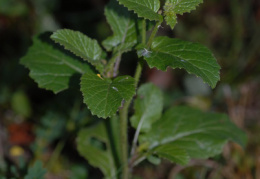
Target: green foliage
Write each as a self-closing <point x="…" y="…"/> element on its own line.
<point x="123" y="25"/>
<point x="193" y="57"/>
<point x="90" y="146"/>
<point x="191" y="133"/>
<point x="148" y="107"/>
<point x="174" y="7"/>
<point x="80" y="45"/>
<point x="146" y="8"/>
<point x="180" y="134"/>
<point x="182" y="6"/>
<point x="170" y="18"/>
<point x="104" y="96"/>
<point x="36" y="171"/>
<point x="173" y="153"/>
<point x="51" y="68"/>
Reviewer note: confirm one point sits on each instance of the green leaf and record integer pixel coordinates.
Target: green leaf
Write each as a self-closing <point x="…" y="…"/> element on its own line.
<point x="182" y="6"/>
<point x="171" y="19"/>
<point x="154" y="159"/>
<point x="199" y="134"/>
<point x="123" y="24"/>
<point x="193" y="57"/>
<point x="104" y="96"/>
<point x="50" y="67"/>
<point x="148" y="107"/>
<point x="89" y="145"/>
<point x="36" y="171"/>
<point x="173" y="153"/>
<point x="146" y="8"/>
<point x="80" y="45"/>
<point x="174" y="7"/>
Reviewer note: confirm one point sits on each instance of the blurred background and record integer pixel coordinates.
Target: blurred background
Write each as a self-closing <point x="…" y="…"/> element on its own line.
<point x="36" y="125"/>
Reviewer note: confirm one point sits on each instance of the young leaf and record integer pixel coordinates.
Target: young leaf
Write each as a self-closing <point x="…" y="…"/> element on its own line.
<point x="96" y="155"/>
<point x="123" y="24"/>
<point x="36" y="171"/>
<point x="200" y="134"/>
<point x="171" y="19"/>
<point x="182" y="6"/>
<point x="51" y="68"/>
<point x="146" y="8"/>
<point x="174" y="7"/>
<point x="193" y="57"/>
<point x="148" y="107"/>
<point x="80" y="45"/>
<point x="104" y="96"/>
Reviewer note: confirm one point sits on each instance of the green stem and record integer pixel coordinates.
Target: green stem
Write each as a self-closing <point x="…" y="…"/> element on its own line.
<point x="155" y="29"/>
<point x="116" y="67"/>
<point x="144" y="32"/>
<point x="109" y="69"/>
<point x="123" y="112"/>
<point x="138" y="72"/>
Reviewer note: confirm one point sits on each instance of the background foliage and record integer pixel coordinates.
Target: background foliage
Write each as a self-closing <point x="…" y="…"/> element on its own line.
<point x="28" y="114"/>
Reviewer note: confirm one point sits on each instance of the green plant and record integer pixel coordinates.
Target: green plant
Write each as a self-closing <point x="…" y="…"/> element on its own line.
<point x="178" y="134"/>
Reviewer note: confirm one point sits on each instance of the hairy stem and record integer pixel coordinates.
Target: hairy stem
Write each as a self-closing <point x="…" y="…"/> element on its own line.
<point x="116" y="67"/>
<point x="137" y="132"/>
<point x="123" y="112"/>
<point x="155" y="29"/>
<point x="144" y="31"/>
<point x="110" y="67"/>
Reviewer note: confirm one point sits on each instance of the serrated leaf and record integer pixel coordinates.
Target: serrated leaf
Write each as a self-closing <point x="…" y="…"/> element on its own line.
<point x="96" y="155"/>
<point x="171" y="20"/>
<point x="200" y="134"/>
<point x="104" y="96"/>
<point x="148" y="107"/>
<point x="50" y="67"/>
<point x="193" y="57"/>
<point x="80" y="45"/>
<point x="182" y="6"/>
<point x="174" y="7"/>
<point x="124" y="26"/>
<point x="36" y="171"/>
<point x="146" y="8"/>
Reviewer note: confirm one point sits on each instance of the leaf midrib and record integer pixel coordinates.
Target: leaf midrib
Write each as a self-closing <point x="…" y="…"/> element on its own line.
<point x="185" y="134"/>
<point x="199" y="68"/>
